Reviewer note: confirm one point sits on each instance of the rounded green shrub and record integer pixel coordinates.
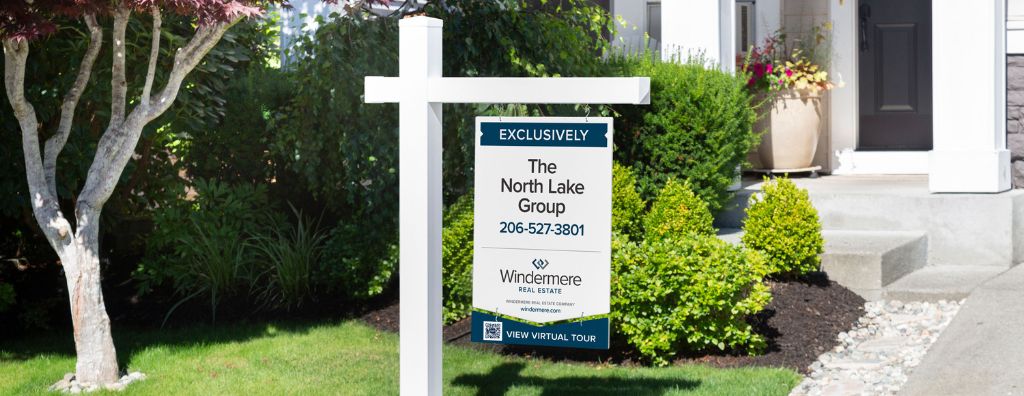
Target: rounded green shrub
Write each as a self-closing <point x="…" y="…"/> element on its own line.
<point x="627" y="206"/>
<point x="677" y="212"/>
<point x="691" y="293"/>
<point x="698" y="127"/>
<point x="457" y="258"/>
<point x="782" y="224"/>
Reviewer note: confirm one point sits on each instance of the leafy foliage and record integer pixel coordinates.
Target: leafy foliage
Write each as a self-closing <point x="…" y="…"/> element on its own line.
<point x="457" y="258"/>
<point x="344" y="150"/>
<point x="691" y="293"/>
<point x="698" y="127"/>
<point x="198" y="246"/>
<point x="677" y="212"/>
<point x="783" y="224"/>
<point x="29" y="20"/>
<point x="627" y="206"/>
<point x="355" y="266"/>
<point x="292" y="253"/>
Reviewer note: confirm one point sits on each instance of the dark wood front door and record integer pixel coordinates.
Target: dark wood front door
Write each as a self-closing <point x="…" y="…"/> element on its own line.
<point x="895" y="44"/>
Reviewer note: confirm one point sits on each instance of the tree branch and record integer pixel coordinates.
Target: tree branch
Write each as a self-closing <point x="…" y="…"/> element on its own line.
<point x="185" y="60"/>
<point x="154" y="53"/>
<point x="118" y="143"/>
<point x="44" y="205"/>
<point x="55" y="144"/>
<point x="118" y="84"/>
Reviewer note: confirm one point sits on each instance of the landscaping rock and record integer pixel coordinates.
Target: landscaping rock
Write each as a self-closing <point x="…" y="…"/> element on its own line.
<point x="876" y="356"/>
<point x="70" y="385"/>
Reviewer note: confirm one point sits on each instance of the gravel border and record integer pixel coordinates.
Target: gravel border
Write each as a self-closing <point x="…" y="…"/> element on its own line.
<point x="878" y="354"/>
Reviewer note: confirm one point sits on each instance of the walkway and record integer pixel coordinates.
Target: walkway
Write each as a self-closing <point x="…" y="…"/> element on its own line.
<point x="982" y="350"/>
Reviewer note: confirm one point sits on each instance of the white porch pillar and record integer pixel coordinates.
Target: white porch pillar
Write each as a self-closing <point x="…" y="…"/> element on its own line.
<point x="699" y="26"/>
<point x="969" y="79"/>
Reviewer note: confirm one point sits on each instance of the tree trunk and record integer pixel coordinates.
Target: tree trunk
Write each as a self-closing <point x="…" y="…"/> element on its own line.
<point x="94" y="344"/>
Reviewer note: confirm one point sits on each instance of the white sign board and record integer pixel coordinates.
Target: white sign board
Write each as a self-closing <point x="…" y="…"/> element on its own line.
<point x="542" y="231"/>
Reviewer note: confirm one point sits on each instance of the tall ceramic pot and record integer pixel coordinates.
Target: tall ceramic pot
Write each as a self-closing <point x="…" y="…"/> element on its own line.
<point x="789" y="124"/>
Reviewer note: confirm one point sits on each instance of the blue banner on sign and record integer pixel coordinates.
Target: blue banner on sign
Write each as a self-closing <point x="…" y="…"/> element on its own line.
<point x="589" y="334"/>
<point x="569" y="134"/>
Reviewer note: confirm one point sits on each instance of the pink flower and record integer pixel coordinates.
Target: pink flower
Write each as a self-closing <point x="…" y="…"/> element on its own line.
<point x="789" y="73"/>
<point x="769" y="68"/>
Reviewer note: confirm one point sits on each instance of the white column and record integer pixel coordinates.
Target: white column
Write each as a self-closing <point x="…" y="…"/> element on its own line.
<point x="844" y="116"/>
<point x="419" y="207"/>
<point x="969" y="82"/>
<point x="699" y="26"/>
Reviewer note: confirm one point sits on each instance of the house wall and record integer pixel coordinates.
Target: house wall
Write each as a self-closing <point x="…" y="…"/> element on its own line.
<point x="631" y="18"/>
<point x="1015" y="116"/>
<point x="798" y="18"/>
<point x="1015" y="89"/>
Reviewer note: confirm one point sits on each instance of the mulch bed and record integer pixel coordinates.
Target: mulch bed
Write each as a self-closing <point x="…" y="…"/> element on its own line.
<point x="800" y="323"/>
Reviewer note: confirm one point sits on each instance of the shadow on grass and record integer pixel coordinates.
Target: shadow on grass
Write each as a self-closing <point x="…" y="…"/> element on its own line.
<point x="128" y="340"/>
<point x="504" y="377"/>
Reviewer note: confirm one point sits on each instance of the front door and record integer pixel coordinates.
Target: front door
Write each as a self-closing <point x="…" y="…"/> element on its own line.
<point x="895" y="64"/>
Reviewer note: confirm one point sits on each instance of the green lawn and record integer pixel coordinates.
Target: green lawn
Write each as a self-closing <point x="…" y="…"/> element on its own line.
<point x="350" y="359"/>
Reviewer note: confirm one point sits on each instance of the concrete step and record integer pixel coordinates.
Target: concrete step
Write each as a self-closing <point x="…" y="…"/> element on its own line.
<point x="935" y="283"/>
<point x="864" y="261"/>
<point x="962" y="229"/>
<point x="867" y="261"/>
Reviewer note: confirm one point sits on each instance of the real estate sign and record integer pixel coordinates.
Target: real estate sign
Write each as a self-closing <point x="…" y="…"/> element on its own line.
<point x="542" y="231"/>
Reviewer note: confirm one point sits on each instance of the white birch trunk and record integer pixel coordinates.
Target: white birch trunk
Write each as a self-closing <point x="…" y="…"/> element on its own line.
<point x="78" y="247"/>
<point x="94" y="344"/>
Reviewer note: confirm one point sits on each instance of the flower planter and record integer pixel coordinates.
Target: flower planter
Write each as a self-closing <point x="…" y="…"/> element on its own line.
<point x="789" y="125"/>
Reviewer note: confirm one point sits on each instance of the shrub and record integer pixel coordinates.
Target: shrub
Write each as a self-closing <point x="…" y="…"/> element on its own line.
<point x="291" y="254"/>
<point x="691" y="293"/>
<point x="457" y="255"/>
<point x="676" y="213"/>
<point x="198" y="245"/>
<point x="782" y="223"/>
<point x="698" y="127"/>
<point x="355" y="266"/>
<point x="627" y="206"/>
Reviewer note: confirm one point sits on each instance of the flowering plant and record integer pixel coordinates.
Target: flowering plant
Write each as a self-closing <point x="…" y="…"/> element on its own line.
<point x="779" y="64"/>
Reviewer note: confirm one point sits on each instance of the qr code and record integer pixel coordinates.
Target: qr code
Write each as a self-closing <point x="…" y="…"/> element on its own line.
<point x="492" y="331"/>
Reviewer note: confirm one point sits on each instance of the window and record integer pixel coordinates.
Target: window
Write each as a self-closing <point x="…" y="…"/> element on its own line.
<point x="744" y="26"/>
<point x="654" y="22"/>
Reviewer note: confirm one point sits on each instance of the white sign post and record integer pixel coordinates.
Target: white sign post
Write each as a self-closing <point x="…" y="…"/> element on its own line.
<point x="420" y="90"/>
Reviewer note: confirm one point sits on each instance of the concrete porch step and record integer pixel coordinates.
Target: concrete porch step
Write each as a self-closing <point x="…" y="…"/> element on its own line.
<point x="944" y="282"/>
<point x="865" y="261"/>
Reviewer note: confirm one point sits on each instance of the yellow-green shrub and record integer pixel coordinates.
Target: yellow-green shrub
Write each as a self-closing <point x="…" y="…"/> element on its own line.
<point x="627" y="206"/>
<point x="677" y="212"/>
<point x="782" y="224"/>
<point x="692" y="293"/>
<point x="457" y="259"/>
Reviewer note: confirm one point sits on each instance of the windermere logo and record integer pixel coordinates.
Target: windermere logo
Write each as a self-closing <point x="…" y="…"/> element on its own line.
<point x="540" y="264"/>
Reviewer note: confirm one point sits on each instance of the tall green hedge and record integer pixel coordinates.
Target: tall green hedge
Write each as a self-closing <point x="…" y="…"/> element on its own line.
<point x="698" y="127"/>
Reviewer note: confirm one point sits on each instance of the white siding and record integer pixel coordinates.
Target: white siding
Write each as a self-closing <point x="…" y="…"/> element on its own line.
<point x="1015" y="27"/>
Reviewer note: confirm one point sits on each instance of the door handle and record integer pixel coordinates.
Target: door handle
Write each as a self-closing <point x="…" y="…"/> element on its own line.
<point x="865" y="12"/>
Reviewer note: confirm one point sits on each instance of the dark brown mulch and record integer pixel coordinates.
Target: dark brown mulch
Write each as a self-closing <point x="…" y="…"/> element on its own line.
<point x="800" y="323"/>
